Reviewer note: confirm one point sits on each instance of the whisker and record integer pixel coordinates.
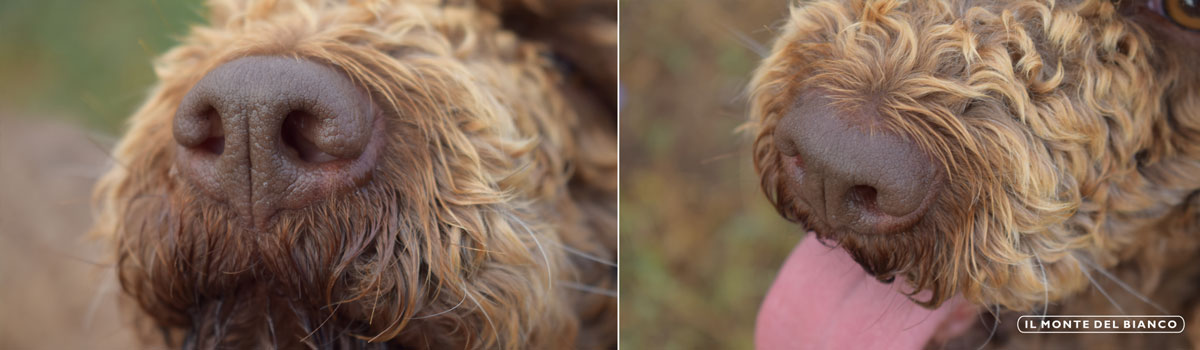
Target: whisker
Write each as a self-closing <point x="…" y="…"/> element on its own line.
<point x="545" y="258"/>
<point x="564" y="247"/>
<point x="378" y="288"/>
<point x="718" y="157"/>
<point x="271" y="327"/>
<point x="94" y="306"/>
<point x="1045" y="284"/>
<point x="1101" y="289"/>
<point x="394" y="322"/>
<point x="106" y="150"/>
<point x="746" y="41"/>
<point x="995" y="325"/>
<point x="584" y="255"/>
<point x="486" y="316"/>
<point x="589" y="289"/>
<point x="1124" y="286"/>
<point x="327" y="318"/>
<point x="460" y="302"/>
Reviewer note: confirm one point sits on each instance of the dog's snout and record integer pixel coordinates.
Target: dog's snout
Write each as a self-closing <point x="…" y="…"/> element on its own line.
<point x="851" y="172"/>
<point x="269" y="133"/>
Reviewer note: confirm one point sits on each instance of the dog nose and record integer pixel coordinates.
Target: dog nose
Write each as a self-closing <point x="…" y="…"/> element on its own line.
<point x="851" y="172"/>
<point x="266" y="133"/>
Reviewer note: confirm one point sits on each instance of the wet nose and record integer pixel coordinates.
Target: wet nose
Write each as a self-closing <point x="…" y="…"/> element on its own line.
<point x="853" y="173"/>
<point x="267" y="133"/>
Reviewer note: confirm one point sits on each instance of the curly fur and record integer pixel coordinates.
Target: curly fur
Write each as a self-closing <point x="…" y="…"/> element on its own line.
<point x="1068" y="132"/>
<point x="488" y="217"/>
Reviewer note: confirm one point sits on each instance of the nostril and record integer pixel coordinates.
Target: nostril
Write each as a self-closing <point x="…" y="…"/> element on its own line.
<point x="798" y="161"/>
<point x="214" y="145"/>
<point x="797" y="171"/>
<point x="201" y="131"/>
<point x="296" y="138"/>
<point x="864" y="197"/>
<point x="215" y="141"/>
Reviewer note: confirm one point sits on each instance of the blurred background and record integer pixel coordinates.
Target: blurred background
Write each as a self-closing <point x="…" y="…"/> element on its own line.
<point x="86" y="62"/>
<point x="71" y="71"/>
<point x="699" y="242"/>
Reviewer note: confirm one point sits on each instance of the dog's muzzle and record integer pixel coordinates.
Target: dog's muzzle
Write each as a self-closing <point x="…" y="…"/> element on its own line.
<point x="849" y="173"/>
<point x="263" y="134"/>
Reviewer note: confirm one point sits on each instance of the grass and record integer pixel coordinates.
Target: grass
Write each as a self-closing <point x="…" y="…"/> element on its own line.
<point x="699" y="243"/>
<point x="85" y="61"/>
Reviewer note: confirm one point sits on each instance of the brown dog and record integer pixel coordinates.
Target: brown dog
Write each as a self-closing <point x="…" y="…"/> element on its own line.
<point x="375" y="174"/>
<point x="1015" y="153"/>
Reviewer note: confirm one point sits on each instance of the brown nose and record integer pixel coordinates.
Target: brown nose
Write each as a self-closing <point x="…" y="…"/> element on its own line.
<point x="851" y="172"/>
<point x="269" y="133"/>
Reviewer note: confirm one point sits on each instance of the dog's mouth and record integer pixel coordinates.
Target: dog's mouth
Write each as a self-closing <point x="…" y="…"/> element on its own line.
<point x="822" y="299"/>
<point x="855" y="294"/>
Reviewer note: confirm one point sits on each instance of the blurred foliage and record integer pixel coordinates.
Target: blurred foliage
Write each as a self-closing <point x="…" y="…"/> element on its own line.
<point x="87" y="60"/>
<point x="699" y="242"/>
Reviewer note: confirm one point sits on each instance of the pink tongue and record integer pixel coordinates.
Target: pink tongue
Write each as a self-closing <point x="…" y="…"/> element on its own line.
<point x="822" y="299"/>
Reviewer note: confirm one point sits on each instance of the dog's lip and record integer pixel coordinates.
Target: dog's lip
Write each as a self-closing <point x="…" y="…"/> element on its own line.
<point x="822" y="299"/>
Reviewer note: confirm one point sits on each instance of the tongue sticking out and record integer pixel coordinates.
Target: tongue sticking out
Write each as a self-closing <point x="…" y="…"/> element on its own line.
<point x="822" y="299"/>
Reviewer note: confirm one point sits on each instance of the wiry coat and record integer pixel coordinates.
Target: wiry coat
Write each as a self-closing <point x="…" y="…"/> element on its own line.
<point x="1068" y="131"/>
<point x="489" y="221"/>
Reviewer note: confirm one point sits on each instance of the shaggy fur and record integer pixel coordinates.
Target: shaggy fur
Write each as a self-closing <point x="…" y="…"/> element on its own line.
<point x="1069" y="132"/>
<point x="490" y="221"/>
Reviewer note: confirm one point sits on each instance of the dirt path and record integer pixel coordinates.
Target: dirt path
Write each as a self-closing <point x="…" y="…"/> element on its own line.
<point x="57" y="290"/>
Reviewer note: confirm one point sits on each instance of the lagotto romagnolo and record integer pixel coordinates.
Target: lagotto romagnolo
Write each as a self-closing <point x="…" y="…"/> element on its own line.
<point x="374" y="174"/>
<point x="1029" y="156"/>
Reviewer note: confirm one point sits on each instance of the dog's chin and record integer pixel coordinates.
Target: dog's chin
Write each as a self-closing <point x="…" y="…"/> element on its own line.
<point x="200" y="268"/>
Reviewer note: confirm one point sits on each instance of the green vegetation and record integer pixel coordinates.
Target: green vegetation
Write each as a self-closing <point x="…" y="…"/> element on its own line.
<point x="85" y="61"/>
<point x="699" y="242"/>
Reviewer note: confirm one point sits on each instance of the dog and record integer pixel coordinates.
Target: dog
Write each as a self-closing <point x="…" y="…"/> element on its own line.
<point x="1024" y="157"/>
<point x="374" y="174"/>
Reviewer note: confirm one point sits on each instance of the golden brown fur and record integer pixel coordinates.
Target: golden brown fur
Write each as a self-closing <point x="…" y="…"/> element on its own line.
<point x="488" y="224"/>
<point x="1069" y="132"/>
